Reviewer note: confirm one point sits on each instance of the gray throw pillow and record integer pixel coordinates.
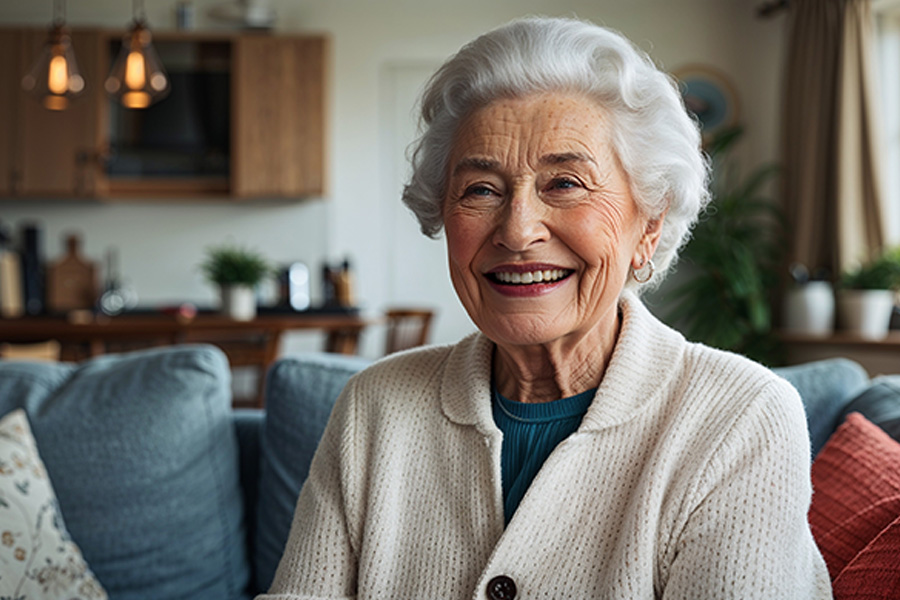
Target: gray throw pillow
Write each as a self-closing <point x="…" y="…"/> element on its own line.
<point x="825" y="387"/>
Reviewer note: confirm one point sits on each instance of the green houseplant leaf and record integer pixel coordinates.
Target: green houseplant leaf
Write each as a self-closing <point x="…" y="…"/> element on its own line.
<point x="880" y="273"/>
<point x="233" y="265"/>
<point x="736" y="250"/>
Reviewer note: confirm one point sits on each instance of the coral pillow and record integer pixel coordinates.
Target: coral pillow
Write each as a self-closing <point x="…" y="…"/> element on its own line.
<point x="874" y="573"/>
<point x="856" y="496"/>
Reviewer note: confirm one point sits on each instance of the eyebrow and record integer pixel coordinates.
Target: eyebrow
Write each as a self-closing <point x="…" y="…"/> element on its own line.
<point x="476" y="164"/>
<point x="565" y="157"/>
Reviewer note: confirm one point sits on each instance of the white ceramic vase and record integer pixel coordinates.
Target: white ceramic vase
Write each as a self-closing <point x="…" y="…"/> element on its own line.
<point x="239" y="302"/>
<point x="866" y="313"/>
<point x="809" y="309"/>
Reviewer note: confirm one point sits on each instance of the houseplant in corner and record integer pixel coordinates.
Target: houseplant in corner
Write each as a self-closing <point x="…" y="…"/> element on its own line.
<point x="866" y="295"/>
<point x="236" y="271"/>
<point x="732" y="260"/>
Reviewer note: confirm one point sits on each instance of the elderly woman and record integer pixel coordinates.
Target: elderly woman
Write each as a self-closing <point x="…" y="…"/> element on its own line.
<point x="575" y="446"/>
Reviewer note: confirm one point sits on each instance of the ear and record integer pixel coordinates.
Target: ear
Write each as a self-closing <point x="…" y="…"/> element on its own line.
<point x="649" y="241"/>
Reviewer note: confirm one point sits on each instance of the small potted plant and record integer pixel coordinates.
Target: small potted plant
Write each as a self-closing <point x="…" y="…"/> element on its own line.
<point x="866" y="295"/>
<point x="237" y="271"/>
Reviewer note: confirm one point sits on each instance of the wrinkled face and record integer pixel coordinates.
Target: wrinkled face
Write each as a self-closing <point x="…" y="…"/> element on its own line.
<point x="541" y="226"/>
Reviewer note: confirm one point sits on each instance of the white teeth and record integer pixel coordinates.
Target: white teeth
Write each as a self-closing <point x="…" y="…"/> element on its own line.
<point x="547" y="276"/>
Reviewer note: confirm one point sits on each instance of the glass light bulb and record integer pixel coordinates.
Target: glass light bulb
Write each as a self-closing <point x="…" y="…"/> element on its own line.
<point x="54" y="79"/>
<point x="58" y="75"/>
<point x="135" y="78"/>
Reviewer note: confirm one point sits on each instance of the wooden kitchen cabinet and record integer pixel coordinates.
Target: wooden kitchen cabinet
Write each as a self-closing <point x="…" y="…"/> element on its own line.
<point x="9" y="48"/>
<point x="55" y="150"/>
<point x="275" y="121"/>
<point x="42" y="152"/>
<point x="278" y="127"/>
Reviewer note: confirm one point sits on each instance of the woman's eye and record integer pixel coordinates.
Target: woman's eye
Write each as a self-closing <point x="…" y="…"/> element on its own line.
<point x="563" y="184"/>
<point x="478" y="190"/>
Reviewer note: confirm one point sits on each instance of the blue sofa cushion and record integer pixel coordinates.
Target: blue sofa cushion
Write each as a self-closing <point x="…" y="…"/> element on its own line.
<point x="825" y="387"/>
<point x="880" y="404"/>
<point x="300" y="392"/>
<point x="142" y="453"/>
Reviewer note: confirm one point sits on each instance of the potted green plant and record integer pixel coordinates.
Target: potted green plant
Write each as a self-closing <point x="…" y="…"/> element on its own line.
<point x="237" y="271"/>
<point x="732" y="261"/>
<point x="866" y="295"/>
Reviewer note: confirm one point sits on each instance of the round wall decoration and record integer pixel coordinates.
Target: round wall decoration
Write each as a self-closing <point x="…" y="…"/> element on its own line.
<point x="709" y="94"/>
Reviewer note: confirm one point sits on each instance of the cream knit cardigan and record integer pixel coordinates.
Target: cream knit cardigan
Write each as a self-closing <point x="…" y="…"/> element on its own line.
<point x="688" y="478"/>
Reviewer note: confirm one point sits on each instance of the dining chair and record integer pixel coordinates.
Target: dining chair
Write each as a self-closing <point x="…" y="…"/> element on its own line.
<point x="407" y="328"/>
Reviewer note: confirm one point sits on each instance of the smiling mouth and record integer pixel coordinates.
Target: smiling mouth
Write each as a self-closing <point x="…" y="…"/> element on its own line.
<point x="529" y="277"/>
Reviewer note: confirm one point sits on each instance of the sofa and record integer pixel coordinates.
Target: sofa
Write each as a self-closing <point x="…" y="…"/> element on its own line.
<point x="153" y="487"/>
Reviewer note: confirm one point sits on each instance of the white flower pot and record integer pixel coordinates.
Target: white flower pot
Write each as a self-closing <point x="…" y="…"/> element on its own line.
<point x="866" y="313"/>
<point x="809" y="309"/>
<point x="239" y="302"/>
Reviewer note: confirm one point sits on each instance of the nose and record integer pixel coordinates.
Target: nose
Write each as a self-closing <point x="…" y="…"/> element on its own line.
<point x="522" y="222"/>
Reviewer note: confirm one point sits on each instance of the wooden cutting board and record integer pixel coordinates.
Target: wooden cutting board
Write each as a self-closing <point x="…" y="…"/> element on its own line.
<point x="12" y="300"/>
<point x="72" y="280"/>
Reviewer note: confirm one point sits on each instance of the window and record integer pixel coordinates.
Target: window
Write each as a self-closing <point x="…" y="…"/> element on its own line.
<point x="888" y="66"/>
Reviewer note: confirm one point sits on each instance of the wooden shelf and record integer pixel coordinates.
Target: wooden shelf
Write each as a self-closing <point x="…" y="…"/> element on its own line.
<point x="842" y="338"/>
<point x="878" y="357"/>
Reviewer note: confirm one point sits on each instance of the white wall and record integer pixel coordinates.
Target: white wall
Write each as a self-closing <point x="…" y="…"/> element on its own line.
<point x="161" y="244"/>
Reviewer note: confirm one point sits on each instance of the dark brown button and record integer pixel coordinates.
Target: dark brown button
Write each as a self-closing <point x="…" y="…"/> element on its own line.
<point x="501" y="587"/>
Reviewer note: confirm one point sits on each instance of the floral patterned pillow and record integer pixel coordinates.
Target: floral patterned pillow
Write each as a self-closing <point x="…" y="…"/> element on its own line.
<point x="38" y="559"/>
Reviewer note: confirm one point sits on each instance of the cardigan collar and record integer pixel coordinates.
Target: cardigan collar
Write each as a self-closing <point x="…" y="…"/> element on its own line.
<point x="644" y="359"/>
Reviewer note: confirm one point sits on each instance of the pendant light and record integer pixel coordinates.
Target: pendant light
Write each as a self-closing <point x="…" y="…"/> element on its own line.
<point x="54" y="78"/>
<point x="137" y="78"/>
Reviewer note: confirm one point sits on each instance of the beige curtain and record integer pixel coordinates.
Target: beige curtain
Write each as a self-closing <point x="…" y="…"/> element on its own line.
<point x="832" y="179"/>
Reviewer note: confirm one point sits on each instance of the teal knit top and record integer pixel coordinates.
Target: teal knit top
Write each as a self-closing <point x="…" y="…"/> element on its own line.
<point x="530" y="433"/>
